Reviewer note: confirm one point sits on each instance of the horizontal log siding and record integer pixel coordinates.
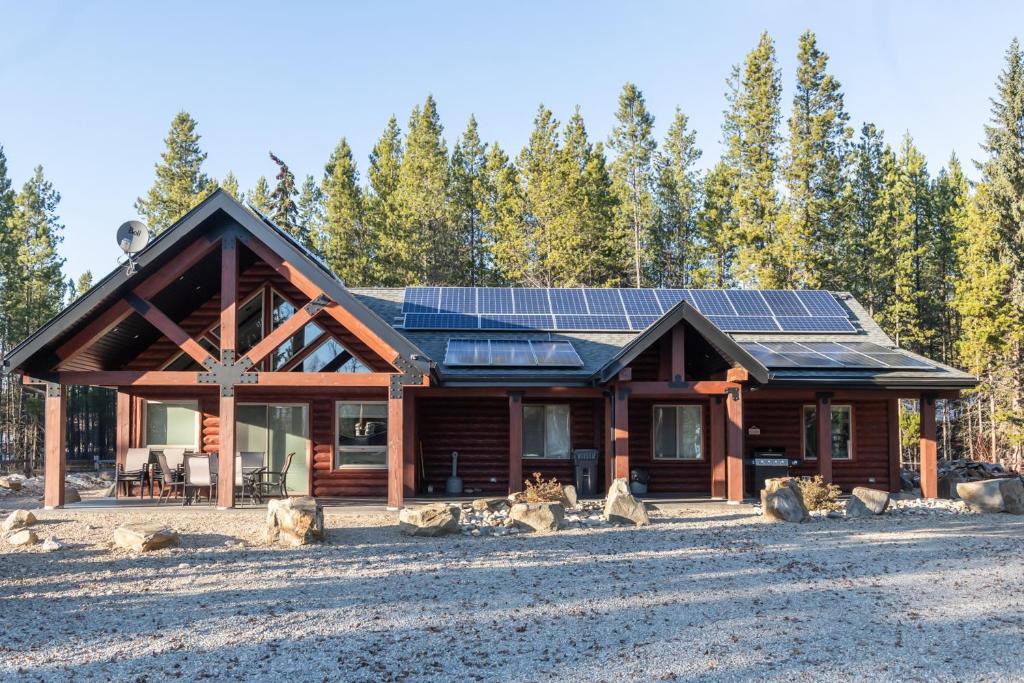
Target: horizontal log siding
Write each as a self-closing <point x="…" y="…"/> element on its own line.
<point x="647" y="366"/>
<point x="781" y="425"/>
<point x="475" y="427"/>
<point x="668" y="476"/>
<point x="582" y="416"/>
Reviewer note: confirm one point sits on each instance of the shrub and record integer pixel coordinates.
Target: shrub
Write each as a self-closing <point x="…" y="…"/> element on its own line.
<point x="542" y="490"/>
<point x="818" y="495"/>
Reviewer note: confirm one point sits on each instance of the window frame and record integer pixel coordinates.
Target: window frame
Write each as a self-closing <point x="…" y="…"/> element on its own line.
<point x="850" y="443"/>
<point x="355" y="449"/>
<point x="191" y="403"/>
<point x="654" y="435"/>
<point x="544" y="439"/>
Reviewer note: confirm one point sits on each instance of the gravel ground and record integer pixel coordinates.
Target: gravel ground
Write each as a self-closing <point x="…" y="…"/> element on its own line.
<point x="708" y="592"/>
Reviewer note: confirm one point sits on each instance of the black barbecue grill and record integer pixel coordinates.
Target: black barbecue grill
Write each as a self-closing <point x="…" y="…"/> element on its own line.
<point x="767" y="463"/>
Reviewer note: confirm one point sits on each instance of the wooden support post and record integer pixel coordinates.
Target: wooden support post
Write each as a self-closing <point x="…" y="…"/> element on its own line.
<point x="609" y="441"/>
<point x="123" y="426"/>
<point x="226" y="453"/>
<point x="621" y="439"/>
<point x="678" y="354"/>
<point x="823" y="413"/>
<point x="929" y="454"/>
<point x="396" y="445"/>
<point x="734" y="445"/>
<point x="515" y="441"/>
<point x="893" y="417"/>
<point x="717" y="405"/>
<point x="409" y="479"/>
<point x="55" y="428"/>
<point x="228" y="294"/>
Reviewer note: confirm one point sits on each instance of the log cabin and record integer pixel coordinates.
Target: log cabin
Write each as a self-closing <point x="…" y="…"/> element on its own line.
<point x="229" y="335"/>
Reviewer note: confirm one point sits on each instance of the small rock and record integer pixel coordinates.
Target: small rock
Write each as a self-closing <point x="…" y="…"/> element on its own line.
<point x="537" y="516"/>
<point x="50" y="545"/>
<point x="485" y="504"/>
<point x="782" y="501"/>
<point x="622" y="507"/>
<point x="865" y="502"/>
<point x="10" y="483"/>
<point x="19" y="519"/>
<point x="22" y="537"/>
<point x="432" y="519"/>
<point x="144" y="537"/>
<point x="569" y="497"/>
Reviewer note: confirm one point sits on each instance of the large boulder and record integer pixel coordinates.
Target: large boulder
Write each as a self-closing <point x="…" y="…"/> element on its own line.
<point x="22" y="537"/>
<point x="294" y="521"/>
<point x="620" y="505"/>
<point x="865" y="502"/>
<point x="537" y="516"/>
<point x="10" y="483"/>
<point x="18" y="519"/>
<point x="993" y="495"/>
<point x="782" y="501"/>
<point x="569" y="496"/>
<point x="71" y="495"/>
<point x="432" y="519"/>
<point x="140" y="538"/>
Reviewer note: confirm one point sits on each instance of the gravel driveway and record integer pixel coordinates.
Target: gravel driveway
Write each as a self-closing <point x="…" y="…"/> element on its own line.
<point x="708" y="592"/>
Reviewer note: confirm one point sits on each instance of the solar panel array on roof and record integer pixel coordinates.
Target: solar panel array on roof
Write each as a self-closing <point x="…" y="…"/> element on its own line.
<point x="852" y="355"/>
<point x="511" y="353"/>
<point x="507" y="308"/>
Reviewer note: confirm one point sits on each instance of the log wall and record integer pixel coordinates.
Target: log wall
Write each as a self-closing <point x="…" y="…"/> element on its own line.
<point x="668" y="476"/>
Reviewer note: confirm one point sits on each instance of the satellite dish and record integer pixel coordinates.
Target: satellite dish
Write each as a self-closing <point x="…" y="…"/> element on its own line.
<point x="132" y="236"/>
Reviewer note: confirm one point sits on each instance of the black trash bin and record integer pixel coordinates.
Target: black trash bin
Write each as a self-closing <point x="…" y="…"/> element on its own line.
<point x="585" y="474"/>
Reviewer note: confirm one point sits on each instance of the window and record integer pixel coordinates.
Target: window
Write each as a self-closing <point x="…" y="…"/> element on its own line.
<point x="250" y="323"/>
<point x="172" y="424"/>
<point x="842" y="432"/>
<point x="677" y="432"/>
<point x="362" y="434"/>
<point x="546" y="431"/>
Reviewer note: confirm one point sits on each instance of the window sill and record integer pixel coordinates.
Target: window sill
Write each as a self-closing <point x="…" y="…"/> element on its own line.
<point x="662" y="458"/>
<point x="360" y="467"/>
<point x="529" y="458"/>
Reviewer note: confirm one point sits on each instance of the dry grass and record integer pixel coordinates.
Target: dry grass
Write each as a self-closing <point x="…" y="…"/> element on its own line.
<point x="542" y="490"/>
<point x="818" y="495"/>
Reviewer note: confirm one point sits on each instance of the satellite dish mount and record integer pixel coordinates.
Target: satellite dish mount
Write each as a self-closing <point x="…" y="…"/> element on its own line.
<point x="132" y="236"/>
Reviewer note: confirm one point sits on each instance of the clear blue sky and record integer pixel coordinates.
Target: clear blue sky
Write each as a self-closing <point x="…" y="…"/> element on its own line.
<point x="88" y="89"/>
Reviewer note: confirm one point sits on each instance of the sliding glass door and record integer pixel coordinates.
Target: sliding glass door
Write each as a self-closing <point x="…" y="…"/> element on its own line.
<point x="277" y="429"/>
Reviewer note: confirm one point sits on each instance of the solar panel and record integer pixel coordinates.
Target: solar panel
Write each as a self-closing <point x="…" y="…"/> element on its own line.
<point x="783" y="346"/>
<point x="642" y="322"/>
<point x="742" y="323"/>
<point x="788" y="355"/>
<point x="458" y="299"/>
<point x="556" y="354"/>
<point x="421" y="299"/>
<point x="820" y="303"/>
<point x="852" y="359"/>
<point x="467" y="352"/>
<point x="748" y="302"/>
<point x="515" y="321"/>
<point x="814" y="324"/>
<point x="640" y="302"/>
<point x="441" y="321"/>
<point x="591" y="322"/>
<point x="511" y="352"/>
<point x="712" y="302"/>
<point x="494" y="300"/>
<point x="768" y="358"/>
<point x="783" y="303"/>
<point x="668" y="298"/>
<point x="900" y="361"/>
<point x="530" y="301"/>
<point x="604" y="302"/>
<point x="812" y="360"/>
<point x="825" y="347"/>
<point x="567" y="301"/>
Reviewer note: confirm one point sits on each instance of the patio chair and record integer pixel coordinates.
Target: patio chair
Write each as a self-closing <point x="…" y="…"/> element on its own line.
<point x="271" y="483"/>
<point x="248" y="467"/>
<point x="175" y="459"/>
<point x="198" y="477"/>
<point x="169" y="481"/>
<point x="136" y="462"/>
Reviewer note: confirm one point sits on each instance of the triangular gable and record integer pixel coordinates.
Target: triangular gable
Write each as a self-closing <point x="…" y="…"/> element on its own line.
<point x="683" y="312"/>
<point x="256" y="233"/>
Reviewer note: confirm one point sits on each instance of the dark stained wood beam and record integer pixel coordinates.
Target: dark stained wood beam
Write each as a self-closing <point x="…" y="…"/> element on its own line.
<point x="170" y="329"/>
<point x="718" y="477"/>
<point x="678" y="360"/>
<point x="128" y="378"/>
<point x="845" y="394"/>
<point x="55" y="423"/>
<point x="621" y="438"/>
<point x="409" y="479"/>
<point x="609" y="441"/>
<point x="226" y="453"/>
<point x="737" y="375"/>
<point x="123" y="435"/>
<point x="823" y="428"/>
<point x="734" y="446"/>
<point x="396" y="448"/>
<point x="228" y="295"/>
<point x="700" y="389"/>
<point x="322" y="379"/>
<point x="515" y="442"/>
<point x="271" y="341"/>
<point x="893" y="424"/>
<point x="929" y="449"/>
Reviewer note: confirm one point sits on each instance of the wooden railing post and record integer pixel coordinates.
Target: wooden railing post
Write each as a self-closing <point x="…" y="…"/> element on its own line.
<point x="396" y="448"/>
<point x="621" y="437"/>
<point x="228" y="346"/>
<point x="734" y="445"/>
<point x="123" y="426"/>
<point x="718" y="478"/>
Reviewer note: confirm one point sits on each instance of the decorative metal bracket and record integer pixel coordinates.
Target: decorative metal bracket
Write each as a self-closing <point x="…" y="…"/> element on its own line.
<point x="228" y="373"/>
<point x="734" y="392"/>
<point x="622" y="393"/>
<point x="316" y="305"/>
<point x="53" y="390"/>
<point x="678" y="383"/>
<point x="399" y="381"/>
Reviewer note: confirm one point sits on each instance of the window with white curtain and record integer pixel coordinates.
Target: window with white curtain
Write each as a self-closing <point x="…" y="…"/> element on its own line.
<point x="172" y="424"/>
<point x="546" y="431"/>
<point x="677" y="432"/>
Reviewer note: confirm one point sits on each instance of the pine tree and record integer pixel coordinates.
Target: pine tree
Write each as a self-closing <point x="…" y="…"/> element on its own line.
<point x="180" y="182"/>
<point x="751" y="136"/>
<point x="502" y="213"/>
<point x="346" y="245"/>
<point x="950" y="195"/>
<point x="717" y="227"/>
<point x="676" y="249"/>
<point x="283" y="209"/>
<point x="8" y="251"/>
<point x="542" y="194"/>
<point x="259" y="196"/>
<point x="84" y="283"/>
<point x="632" y="140"/>
<point x="382" y="206"/>
<point x="817" y="198"/>
<point x="609" y="265"/>
<point x="467" y="189"/>
<point x="426" y="239"/>
<point x="230" y="185"/>
<point x="309" y="214"/>
<point x="867" y="271"/>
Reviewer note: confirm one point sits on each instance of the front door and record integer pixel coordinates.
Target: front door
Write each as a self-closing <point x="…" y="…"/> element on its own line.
<point x="278" y="429"/>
